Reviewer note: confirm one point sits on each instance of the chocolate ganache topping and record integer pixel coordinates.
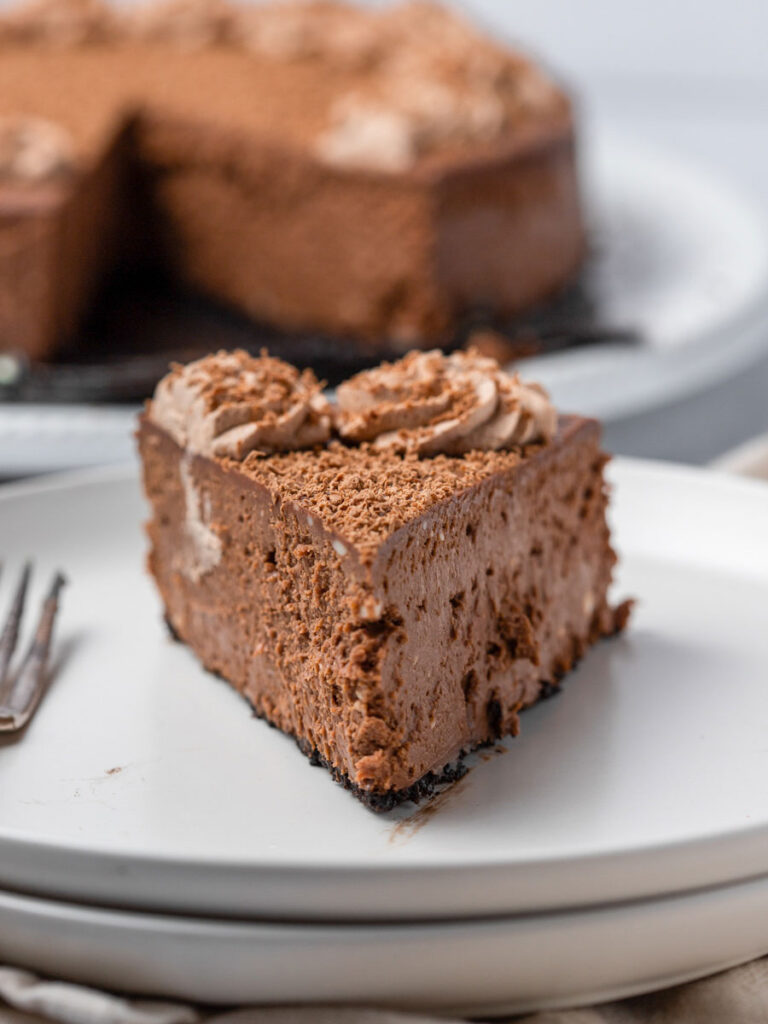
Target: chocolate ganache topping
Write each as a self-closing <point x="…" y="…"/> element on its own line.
<point x="429" y="403"/>
<point x="231" y="403"/>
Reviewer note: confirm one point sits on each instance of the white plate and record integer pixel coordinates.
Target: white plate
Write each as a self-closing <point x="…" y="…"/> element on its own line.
<point x="47" y="438"/>
<point x="471" y="968"/>
<point x="681" y="257"/>
<point x="146" y="782"/>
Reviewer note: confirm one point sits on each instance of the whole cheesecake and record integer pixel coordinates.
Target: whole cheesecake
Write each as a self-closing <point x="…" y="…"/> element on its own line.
<point x="374" y="174"/>
<point x="392" y="597"/>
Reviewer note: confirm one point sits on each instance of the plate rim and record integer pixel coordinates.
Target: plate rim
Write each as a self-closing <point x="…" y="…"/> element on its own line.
<point x="108" y="931"/>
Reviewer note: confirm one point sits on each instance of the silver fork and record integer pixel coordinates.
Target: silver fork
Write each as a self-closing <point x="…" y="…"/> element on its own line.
<point x="21" y="691"/>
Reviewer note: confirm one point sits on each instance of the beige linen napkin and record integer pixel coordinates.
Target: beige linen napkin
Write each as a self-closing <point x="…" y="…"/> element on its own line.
<point x="738" y="996"/>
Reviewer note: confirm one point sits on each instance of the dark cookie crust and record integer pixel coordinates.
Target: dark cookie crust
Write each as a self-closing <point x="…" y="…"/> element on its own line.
<point x="424" y="788"/>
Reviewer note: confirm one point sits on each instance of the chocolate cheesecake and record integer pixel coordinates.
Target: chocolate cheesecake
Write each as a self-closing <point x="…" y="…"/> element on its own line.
<point x="392" y="596"/>
<point x="370" y="174"/>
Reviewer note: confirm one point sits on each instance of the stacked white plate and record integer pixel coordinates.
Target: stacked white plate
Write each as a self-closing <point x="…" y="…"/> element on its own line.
<point x="155" y="838"/>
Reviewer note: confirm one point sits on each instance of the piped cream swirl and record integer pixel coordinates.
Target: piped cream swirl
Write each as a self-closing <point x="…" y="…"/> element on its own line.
<point x="231" y="403"/>
<point x="34" y="150"/>
<point x="430" y="403"/>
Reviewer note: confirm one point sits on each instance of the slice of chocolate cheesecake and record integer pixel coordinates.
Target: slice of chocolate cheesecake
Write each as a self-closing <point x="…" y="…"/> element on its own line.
<point x="392" y="598"/>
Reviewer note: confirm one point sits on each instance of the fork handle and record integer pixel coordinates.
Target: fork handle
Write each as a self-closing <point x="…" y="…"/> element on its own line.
<point x="31" y="680"/>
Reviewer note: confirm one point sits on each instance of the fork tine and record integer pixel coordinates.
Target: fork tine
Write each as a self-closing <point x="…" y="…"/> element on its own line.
<point x="10" y="635"/>
<point x="31" y="680"/>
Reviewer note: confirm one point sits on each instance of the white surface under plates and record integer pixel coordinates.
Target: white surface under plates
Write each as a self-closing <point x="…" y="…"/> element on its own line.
<point x="144" y="781"/>
<point x="680" y="256"/>
<point x="470" y="968"/>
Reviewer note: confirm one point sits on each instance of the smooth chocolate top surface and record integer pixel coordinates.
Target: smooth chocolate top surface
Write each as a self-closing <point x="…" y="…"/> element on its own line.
<point x="381" y="90"/>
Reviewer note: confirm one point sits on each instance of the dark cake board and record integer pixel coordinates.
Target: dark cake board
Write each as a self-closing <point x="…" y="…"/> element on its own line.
<point x="141" y="321"/>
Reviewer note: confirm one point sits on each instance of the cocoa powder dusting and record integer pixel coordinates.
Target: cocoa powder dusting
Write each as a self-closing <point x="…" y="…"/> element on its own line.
<point x="366" y="494"/>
